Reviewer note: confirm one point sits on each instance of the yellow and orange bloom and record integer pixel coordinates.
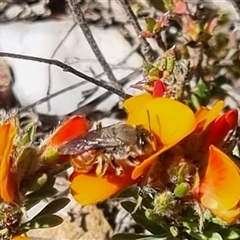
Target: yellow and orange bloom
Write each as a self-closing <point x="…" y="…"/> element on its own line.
<point x="21" y="238"/>
<point x="219" y="188"/>
<point x="11" y="171"/>
<point x="220" y="175"/>
<point x="216" y="179"/>
<point x="202" y="137"/>
<point x="8" y="187"/>
<point x="169" y="120"/>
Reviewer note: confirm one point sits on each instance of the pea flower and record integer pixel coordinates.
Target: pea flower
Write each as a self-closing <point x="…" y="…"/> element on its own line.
<point x="220" y="176"/>
<point x="21" y="238"/>
<point x="197" y="168"/>
<point x="195" y="143"/>
<point x="169" y="120"/>
<point x="8" y="188"/>
<point x="219" y="188"/>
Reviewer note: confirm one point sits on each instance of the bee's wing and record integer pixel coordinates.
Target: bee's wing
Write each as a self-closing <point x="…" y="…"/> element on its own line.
<point x="86" y="142"/>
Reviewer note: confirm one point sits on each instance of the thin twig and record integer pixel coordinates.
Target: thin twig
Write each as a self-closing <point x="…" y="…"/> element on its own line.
<point x="92" y="105"/>
<point x="52" y="56"/>
<point x="42" y="100"/>
<point x="80" y="19"/>
<point x="146" y="49"/>
<point x="67" y="68"/>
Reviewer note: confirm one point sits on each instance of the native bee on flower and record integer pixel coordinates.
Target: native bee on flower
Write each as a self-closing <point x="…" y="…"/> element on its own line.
<point x="110" y="148"/>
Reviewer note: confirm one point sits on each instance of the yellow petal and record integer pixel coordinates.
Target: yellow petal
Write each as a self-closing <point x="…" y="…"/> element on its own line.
<point x="170" y="120"/>
<point x="142" y="168"/>
<point x="137" y="101"/>
<point x="205" y="117"/>
<point x="89" y="188"/>
<point x="229" y="216"/>
<point x="201" y="114"/>
<point x="21" y="238"/>
<point x="8" y="182"/>
<point x="219" y="187"/>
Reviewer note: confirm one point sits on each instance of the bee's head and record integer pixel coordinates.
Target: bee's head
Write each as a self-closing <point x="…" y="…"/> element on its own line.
<point x="146" y="139"/>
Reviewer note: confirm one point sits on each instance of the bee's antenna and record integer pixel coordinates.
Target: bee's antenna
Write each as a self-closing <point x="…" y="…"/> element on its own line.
<point x="149" y="122"/>
<point x="159" y="125"/>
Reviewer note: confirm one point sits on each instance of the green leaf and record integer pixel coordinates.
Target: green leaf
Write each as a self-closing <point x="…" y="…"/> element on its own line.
<point x="140" y="218"/>
<point x="156" y="237"/>
<point x="160" y="5"/>
<point x="202" y="90"/>
<point x="195" y="102"/>
<point x="152" y="216"/>
<point x="29" y="134"/>
<point x="33" y="198"/>
<point x="230" y="233"/>
<point x="127" y="236"/>
<point x="27" y="161"/>
<point x="43" y="221"/>
<point x="54" y="206"/>
<point x="132" y="236"/>
<point x="45" y="191"/>
<point x="150" y="23"/>
<point x="206" y="235"/>
<point x="236" y="153"/>
<point x="39" y="180"/>
<point x="127" y="193"/>
<point x="213" y="236"/>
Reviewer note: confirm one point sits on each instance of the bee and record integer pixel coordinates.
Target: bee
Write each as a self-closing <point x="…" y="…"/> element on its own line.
<point x="110" y="148"/>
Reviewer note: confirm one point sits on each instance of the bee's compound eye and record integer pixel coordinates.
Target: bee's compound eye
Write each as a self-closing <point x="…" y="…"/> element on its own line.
<point x="141" y="140"/>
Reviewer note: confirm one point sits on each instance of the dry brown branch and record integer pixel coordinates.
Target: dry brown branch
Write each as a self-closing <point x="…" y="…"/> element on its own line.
<point x="70" y="69"/>
<point x="146" y="49"/>
<point x="75" y="7"/>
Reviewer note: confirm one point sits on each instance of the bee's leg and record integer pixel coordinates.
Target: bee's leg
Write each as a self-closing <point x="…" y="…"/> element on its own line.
<point x="103" y="161"/>
<point x="117" y="167"/>
<point x="132" y="161"/>
<point x="82" y="164"/>
<point x="98" y="125"/>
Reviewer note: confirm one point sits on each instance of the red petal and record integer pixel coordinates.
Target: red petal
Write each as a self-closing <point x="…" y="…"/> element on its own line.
<point x="70" y="129"/>
<point x="221" y="128"/>
<point x="159" y="89"/>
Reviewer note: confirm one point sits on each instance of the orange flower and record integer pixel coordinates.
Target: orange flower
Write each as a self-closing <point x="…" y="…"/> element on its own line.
<point x="21" y="238"/>
<point x="219" y="188"/>
<point x="219" y="176"/>
<point x="212" y="129"/>
<point x="8" y="187"/>
<point x="170" y="120"/>
<point x="89" y="188"/>
<point x="71" y="128"/>
<point x="202" y="135"/>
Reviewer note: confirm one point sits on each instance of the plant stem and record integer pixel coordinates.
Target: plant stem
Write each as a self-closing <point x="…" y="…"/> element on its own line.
<point x="67" y="68"/>
<point x="80" y="19"/>
<point x="146" y="49"/>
